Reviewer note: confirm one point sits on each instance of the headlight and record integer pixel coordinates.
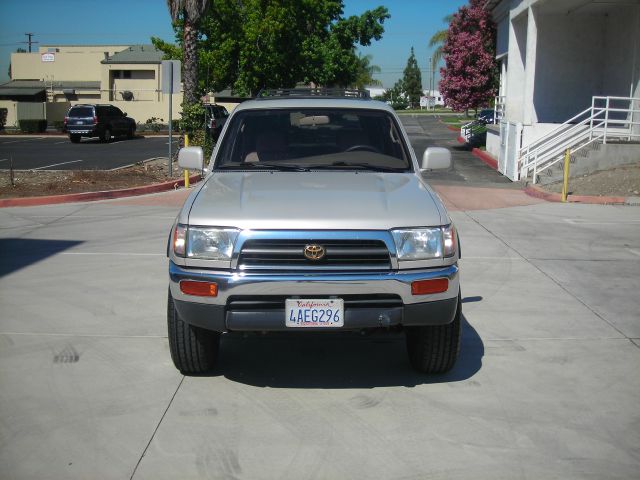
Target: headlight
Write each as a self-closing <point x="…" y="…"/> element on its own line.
<point x="425" y="243"/>
<point x="205" y="243"/>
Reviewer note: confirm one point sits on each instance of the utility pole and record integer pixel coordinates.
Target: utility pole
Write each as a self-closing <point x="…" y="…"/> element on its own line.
<point x="433" y="84"/>
<point x="29" y="35"/>
<point x="429" y="80"/>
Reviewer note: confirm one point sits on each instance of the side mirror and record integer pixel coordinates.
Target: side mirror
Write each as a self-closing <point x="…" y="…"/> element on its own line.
<point x="436" y="158"/>
<point x="124" y="114"/>
<point x="191" y="158"/>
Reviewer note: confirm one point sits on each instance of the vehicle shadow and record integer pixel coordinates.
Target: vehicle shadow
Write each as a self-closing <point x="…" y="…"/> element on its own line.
<point x="18" y="253"/>
<point x="335" y="361"/>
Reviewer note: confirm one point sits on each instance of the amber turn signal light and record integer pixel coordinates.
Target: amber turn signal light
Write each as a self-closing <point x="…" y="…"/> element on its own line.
<point x="199" y="289"/>
<point x="425" y="287"/>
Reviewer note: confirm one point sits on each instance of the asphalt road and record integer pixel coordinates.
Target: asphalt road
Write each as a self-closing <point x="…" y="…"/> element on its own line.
<point x="546" y="385"/>
<point x="58" y="153"/>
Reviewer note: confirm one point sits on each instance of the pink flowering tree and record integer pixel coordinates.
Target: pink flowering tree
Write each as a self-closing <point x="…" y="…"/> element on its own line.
<point x="470" y="76"/>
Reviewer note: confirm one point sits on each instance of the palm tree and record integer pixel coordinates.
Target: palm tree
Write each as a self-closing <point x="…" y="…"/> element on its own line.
<point x="366" y="71"/>
<point x="191" y="11"/>
<point x="437" y="40"/>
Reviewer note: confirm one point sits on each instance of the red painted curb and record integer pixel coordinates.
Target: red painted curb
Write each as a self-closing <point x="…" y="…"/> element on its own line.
<point x="92" y="196"/>
<point x="461" y="140"/>
<point x="452" y="128"/>
<point x="538" y="192"/>
<point x="485" y="157"/>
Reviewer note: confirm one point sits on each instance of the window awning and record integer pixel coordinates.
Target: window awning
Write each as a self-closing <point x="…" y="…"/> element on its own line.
<point x="20" y="92"/>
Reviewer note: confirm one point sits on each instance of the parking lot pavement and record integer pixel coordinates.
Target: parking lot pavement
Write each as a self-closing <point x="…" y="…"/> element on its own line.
<point x="58" y="153"/>
<point x="546" y="385"/>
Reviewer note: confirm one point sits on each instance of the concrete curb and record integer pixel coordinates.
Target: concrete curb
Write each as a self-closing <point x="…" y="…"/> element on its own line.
<point x="537" y="192"/>
<point x="93" y="196"/>
<point x="485" y="158"/>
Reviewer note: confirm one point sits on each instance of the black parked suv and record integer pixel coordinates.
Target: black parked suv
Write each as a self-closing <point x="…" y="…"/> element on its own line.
<point x="103" y="121"/>
<point x="216" y="116"/>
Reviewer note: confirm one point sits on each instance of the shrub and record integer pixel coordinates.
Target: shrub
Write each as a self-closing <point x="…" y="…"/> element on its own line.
<point x="201" y="139"/>
<point x="32" y="126"/>
<point x="154" y="124"/>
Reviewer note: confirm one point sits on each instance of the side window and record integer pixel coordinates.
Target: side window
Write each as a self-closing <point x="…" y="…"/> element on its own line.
<point x="102" y="111"/>
<point x="116" y="112"/>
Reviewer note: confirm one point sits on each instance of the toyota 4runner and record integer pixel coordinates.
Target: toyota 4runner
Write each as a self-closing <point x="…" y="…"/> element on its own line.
<point x="313" y="215"/>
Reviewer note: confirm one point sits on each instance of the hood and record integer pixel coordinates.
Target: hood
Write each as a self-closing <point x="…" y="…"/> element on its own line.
<point x="343" y="200"/>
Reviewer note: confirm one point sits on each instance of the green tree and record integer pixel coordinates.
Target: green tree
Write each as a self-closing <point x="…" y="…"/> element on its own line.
<point x="412" y="81"/>
<point x="396" y="96"/>
<point x="189" y="13"/>
<point x="254" y="44"/>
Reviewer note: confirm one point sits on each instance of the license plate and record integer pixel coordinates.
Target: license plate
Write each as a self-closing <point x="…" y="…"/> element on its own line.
<point x="314" y="312"/>
<point x="78" y="123"/>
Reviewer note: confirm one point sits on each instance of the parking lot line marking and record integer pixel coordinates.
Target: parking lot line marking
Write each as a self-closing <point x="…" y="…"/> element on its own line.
<point x="56" y="164"/>
<point x="635" y="252"/>
<point x="578" y="221"/>
<point x="4" y="159"/>
<point x="58" y="143"/>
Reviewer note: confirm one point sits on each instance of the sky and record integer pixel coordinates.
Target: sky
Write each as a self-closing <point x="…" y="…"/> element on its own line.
<point x="93" y="22"/>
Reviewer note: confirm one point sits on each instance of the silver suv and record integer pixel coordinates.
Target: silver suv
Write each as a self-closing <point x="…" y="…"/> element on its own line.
<point x="313" y="216"/>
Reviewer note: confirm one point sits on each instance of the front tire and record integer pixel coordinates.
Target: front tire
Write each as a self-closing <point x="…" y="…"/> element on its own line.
<point x="131" y="132"/>
<point x="434" y="348"/>
<point x="193" y="350"/>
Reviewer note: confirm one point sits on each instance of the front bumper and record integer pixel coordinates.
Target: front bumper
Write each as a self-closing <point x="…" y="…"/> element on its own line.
<point x="400" y="307"/>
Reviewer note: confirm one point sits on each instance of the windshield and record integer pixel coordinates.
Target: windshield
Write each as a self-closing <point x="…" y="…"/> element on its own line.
<point x="302" y="139"/>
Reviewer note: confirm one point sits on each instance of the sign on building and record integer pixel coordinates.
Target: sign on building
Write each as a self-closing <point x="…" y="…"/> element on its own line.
<point x="48" y="57"/>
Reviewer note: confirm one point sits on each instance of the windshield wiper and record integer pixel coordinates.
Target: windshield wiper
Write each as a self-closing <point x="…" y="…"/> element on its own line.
<point x="362" y="166"/>
<point x="262" y="165"/>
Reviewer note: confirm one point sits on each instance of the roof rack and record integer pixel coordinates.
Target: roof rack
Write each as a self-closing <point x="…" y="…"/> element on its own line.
<point x="266" y="94"/>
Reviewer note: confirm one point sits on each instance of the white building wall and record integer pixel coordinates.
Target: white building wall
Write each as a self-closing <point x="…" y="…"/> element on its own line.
<point x="570" y="57"/>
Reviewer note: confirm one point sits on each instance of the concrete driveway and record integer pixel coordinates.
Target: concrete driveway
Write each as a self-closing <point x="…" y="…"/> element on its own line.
<point x="546" y="386"/>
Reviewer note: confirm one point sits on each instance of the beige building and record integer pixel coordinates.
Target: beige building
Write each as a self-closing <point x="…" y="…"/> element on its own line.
<point x="46" y="83"/>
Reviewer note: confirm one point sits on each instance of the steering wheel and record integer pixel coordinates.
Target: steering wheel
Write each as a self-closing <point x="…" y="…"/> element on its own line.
<point x="368" y="148"/>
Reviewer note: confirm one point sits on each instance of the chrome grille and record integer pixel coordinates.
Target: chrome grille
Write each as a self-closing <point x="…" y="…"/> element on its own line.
<point x="277" y="254"/>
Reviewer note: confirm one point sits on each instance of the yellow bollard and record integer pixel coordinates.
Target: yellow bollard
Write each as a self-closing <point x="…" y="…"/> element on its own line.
<point x="186" y="172"/>
<point x="565" y="183"/>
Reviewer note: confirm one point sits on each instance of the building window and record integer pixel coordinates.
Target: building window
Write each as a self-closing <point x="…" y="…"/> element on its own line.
<point x="126" y="74"/>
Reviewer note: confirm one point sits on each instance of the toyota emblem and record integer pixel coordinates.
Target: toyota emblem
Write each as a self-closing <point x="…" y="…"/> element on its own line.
<point x="314" y="252"/>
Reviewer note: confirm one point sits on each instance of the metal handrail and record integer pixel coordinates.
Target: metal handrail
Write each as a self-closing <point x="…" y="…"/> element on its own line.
<point x="589" y="126"/>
